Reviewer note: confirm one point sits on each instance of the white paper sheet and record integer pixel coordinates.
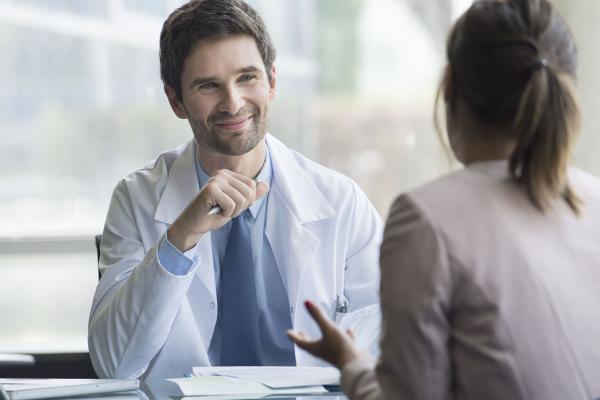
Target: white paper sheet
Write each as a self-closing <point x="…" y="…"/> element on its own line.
<point x="225" y="385"/>
<point x="277" y="377"/>
<point x="365" y="323"/>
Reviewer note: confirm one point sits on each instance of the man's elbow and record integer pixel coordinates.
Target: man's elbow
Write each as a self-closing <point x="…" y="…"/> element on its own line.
<point x="107" y="365"/>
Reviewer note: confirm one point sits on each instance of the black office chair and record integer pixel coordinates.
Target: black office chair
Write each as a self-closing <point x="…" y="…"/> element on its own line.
<point x="98" y="239"/>
<point x="12" y="365"/>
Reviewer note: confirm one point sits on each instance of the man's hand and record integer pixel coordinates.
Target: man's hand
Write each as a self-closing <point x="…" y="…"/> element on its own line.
<point x="233" y="192"/>
<point x="336" y="346"/>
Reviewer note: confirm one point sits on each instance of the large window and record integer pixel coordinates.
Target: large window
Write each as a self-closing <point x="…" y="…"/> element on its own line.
<point x="82" y="105"/>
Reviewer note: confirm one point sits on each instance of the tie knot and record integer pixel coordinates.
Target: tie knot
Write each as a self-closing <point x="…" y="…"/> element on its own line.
<point x="242" y="217"/>
<point x="240" y="228"/>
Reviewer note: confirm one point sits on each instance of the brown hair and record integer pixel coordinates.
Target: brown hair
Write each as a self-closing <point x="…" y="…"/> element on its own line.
<point x="514" y="64"/>
<point x="208" y="20"/>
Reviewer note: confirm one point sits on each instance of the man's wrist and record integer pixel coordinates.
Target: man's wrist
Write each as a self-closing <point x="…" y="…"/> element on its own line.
<point x="181" y="241"/>
<point x="173" y="260"/>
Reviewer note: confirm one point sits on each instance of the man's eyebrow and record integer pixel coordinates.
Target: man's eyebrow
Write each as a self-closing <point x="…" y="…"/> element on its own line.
<point x="202" y="81"/>
<point x="250" y="68"/>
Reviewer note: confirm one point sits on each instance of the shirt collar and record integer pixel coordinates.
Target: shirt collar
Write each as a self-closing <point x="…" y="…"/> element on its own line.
<point x="265" y="175"/>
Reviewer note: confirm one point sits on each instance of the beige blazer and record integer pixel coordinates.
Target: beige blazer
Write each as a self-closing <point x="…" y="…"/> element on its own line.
<point x="485" y="297"/>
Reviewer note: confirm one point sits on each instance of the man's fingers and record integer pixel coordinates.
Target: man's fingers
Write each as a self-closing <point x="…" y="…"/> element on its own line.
<point x="249" y="189"/>
<point x="248" y="192"/>
<point x="242" y="178"/>
<point x="237" y="197"/>
<point x="262" y="188"/>
<point x="257" y="189"/>
<point x="223" y="200"/>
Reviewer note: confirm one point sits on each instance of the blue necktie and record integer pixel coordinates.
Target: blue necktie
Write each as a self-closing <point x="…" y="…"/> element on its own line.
<point x="238" y="308"/>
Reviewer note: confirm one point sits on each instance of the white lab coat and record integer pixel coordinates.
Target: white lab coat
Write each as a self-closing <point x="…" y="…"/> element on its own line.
<point x="324" y="233"/>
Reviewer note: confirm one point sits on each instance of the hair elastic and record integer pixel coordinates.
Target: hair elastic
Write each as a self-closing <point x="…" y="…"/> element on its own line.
<point x="541" y="63"/>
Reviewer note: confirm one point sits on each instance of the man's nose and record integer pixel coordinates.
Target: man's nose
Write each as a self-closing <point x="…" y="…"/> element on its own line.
<point x="232" y="101"/>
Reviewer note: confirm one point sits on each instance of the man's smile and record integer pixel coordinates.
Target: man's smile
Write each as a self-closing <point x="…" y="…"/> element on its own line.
<point x="234" y="125"/>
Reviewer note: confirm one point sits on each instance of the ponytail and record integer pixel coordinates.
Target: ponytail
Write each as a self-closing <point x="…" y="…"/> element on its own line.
<point x="514" y="63"/>
<point x="546" y="123"/>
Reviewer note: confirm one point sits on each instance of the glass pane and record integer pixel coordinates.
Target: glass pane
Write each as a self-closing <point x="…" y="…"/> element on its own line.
<point x="380" y="64"/>
<point x="82" y="106"/>
<point x="45" y="300"/>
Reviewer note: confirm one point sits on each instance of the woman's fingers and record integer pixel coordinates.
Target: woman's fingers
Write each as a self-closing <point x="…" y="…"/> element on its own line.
<point x="315" y="312"/>
<point x="337" y="346"/>
<point x="303" y="341"/>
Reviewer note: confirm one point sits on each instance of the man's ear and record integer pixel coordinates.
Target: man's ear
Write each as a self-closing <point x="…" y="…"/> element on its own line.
<point x="176" y="105"/>
<point x="273" y="83"/>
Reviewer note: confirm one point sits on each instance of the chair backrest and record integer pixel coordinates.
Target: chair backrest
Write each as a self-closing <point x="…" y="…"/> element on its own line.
<point x="98" y="239"/>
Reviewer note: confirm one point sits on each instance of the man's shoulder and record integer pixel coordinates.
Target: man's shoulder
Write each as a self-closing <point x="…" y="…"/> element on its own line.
<point x="317" y="173"/>
<point x="321" y="173"/>
<point x="330" y="183"/>
<point x="155" y="173"/>
<point x="338" y="190"/>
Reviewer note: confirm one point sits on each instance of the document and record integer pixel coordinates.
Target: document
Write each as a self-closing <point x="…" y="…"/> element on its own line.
<point x="229" y="386"/>
<point x="365" y="323"/>
<point x="23" y="389"/>
<point x="277" y="377"/>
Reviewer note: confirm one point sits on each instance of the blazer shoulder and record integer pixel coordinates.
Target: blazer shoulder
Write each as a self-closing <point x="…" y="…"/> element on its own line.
<point x="455" y="203"/>
<point x="446" y="192"/>
<point x="586" y="183"/>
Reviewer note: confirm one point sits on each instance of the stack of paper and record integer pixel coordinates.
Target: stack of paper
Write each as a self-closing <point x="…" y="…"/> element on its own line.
<point x="258" y="381"/>
<point x="366" y="326"/>
<point x="277" y="377"/>
<point x="23" y="389"/>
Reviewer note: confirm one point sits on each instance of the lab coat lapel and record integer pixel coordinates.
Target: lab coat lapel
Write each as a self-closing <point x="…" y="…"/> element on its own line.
<point x="293" y="245"/>
<point x="294" y="201"/>
<point x="181" y="188"/>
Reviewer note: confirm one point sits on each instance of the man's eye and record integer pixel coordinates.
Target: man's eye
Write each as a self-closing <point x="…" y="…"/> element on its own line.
<point x="208" y="86"/>
<point x="247" y="77"/>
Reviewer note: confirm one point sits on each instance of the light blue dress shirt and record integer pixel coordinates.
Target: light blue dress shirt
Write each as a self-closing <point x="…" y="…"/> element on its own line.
<point x="275" y="311"/>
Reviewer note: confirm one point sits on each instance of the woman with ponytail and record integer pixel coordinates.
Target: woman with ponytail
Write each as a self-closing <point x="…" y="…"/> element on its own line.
<point x="490" y="276"/>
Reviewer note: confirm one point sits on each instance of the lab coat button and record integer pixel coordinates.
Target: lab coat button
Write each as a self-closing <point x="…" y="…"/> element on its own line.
<point x="212" y="305"/>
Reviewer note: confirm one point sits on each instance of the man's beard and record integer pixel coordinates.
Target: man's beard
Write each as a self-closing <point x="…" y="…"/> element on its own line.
<point x="231" y="143"/>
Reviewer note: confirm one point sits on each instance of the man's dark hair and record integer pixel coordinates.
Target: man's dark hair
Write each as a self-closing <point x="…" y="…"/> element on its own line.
<point x="208" y="20"/>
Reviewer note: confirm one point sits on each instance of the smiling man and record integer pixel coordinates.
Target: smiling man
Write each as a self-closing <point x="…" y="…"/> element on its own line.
<point x="208" y="252"/>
